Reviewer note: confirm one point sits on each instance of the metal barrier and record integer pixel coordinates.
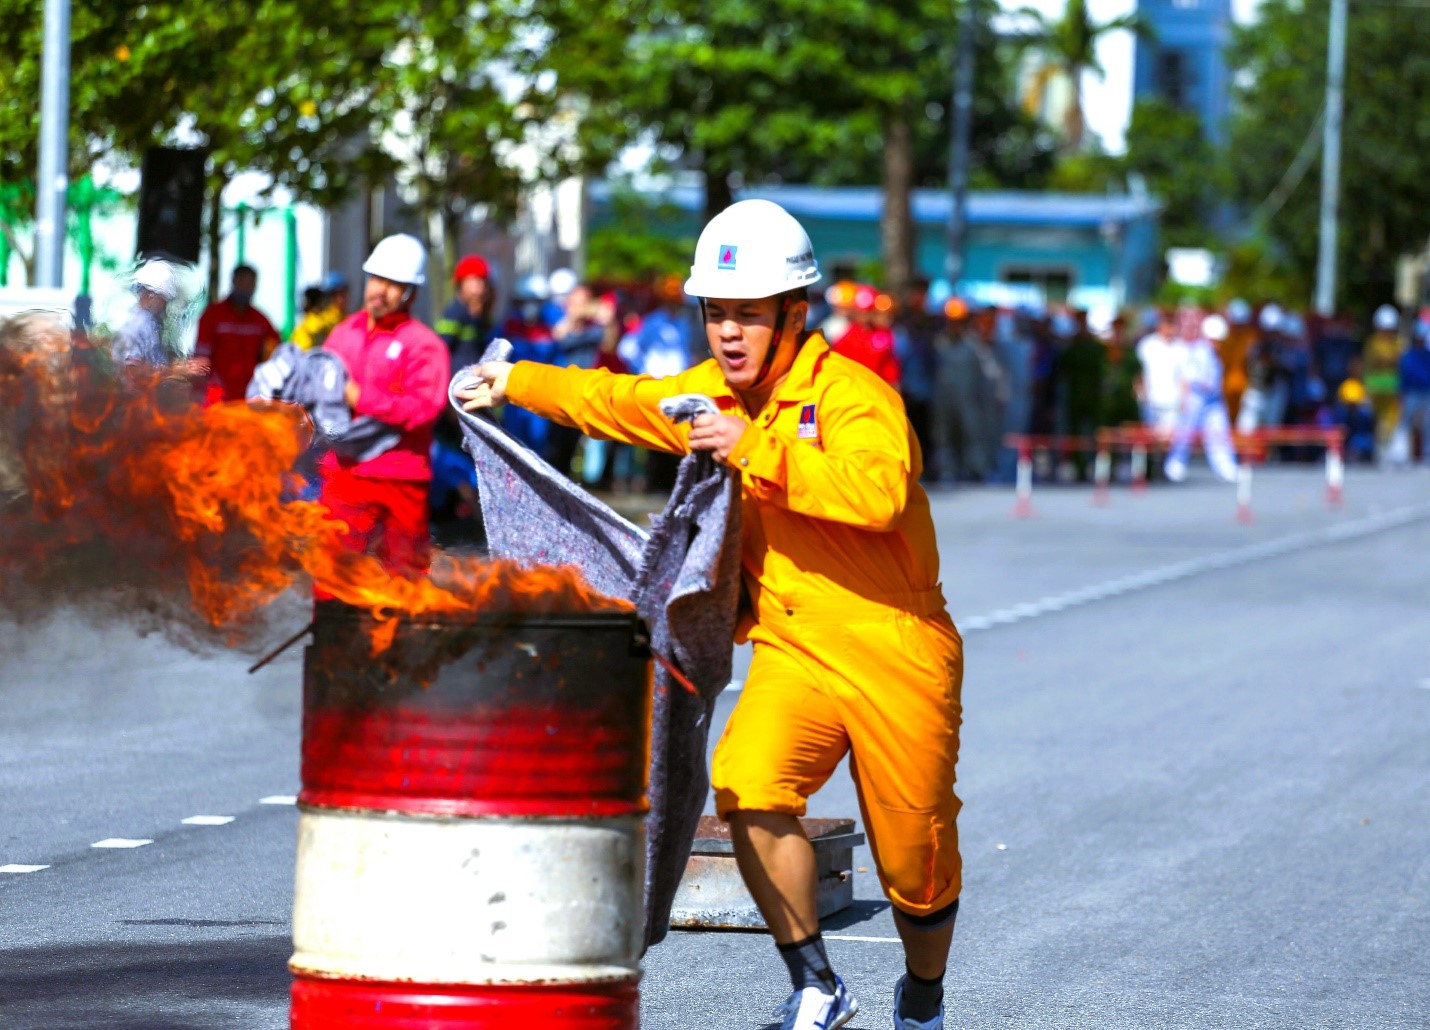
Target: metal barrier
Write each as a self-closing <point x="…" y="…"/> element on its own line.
<point x="1141" y="444"/>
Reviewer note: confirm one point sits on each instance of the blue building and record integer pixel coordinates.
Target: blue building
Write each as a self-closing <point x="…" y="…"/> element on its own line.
<point x="1090" y="250"/>
<point x="1184" y="62"/>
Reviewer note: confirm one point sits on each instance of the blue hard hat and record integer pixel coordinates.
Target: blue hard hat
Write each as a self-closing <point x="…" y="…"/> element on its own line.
<point x="333" y="281"/>
<point x="940" y="292"/>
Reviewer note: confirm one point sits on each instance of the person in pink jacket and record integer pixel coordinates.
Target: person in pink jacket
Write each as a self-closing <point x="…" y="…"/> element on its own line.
<point x="398" y="371"/>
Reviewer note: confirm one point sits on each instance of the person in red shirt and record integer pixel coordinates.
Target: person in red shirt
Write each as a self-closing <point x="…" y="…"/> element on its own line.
<point x="397" y="374"/>
<point x="870" y="337"/>
<point x="234" y="336"/>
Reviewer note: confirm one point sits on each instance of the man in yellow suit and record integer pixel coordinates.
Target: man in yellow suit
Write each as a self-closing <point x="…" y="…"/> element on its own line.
<point x="854" y="652"/>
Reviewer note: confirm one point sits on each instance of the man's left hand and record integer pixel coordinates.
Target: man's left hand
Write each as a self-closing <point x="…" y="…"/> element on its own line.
<point x="351" y="393"/>
<point x="717" y="434"/>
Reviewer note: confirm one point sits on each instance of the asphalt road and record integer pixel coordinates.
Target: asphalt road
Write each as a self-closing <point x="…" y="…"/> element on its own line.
<point x="1194" y="770"/>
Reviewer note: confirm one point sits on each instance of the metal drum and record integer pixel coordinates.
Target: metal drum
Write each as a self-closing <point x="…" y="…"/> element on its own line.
<point x="470" y="842"/>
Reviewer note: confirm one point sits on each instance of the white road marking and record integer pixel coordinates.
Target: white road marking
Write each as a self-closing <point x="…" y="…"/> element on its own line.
<point x="22" y="868"/>
<point x="862" y="940"/>
<point x="279" y="799"/>
<point x="1196" y="566"/>
<point x="120" y="842"/>
<point x="207" y="820"/>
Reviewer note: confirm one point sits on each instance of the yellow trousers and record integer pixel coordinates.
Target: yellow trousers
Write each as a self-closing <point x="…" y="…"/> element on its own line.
<point x="878" y="680"/>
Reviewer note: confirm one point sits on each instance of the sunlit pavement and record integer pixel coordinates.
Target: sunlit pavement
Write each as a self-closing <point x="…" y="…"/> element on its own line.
<point x="1193" y="768"/>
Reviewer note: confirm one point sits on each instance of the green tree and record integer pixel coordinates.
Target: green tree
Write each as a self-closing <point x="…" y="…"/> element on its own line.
<point x="1070" y="45"/>
<point x="1166" y="146"/>
<point x="1385" y="192"/>
<point x="826" y="91"/>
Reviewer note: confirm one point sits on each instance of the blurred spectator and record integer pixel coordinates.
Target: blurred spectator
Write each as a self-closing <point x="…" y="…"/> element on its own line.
<point x="1044" y="420"/>
<point x="663" y="345"/>
<point x="1159" y="389"/>
<point x="466" y="322"/>
<point x="139" y="340"/>
<point x="971" y="396"/>
<point x="234" y="336"/>
<point x="578" y="336"/>
<point x="956" y="399"/>
<point x="1335" y="348"/>
<point x="1353" y="412"/>
<point x="840" y="299"/>
<point x="531" y="341"/>
<point x="1201" y="408"/>
<point x="1015" y="358"/>
<point x="559" y="285"/>
<point x="1080" y="366"/>
<point x="1268" y="377"/>
<point x="1241" y="334"/>
<point x="1414" y="427"/>
<point x="1124" y="372"/>
<point x="869" y="340"/>
<point x="914" y="349"/>
<point x="313" y="330"/>
<point x="1382" y="371"/>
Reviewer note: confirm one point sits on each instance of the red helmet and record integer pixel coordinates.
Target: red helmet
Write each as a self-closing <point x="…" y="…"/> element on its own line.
<point x="473" y="266"/>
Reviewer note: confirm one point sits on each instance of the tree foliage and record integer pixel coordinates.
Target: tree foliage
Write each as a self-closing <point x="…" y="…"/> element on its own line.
<point x="1385" y="192"/>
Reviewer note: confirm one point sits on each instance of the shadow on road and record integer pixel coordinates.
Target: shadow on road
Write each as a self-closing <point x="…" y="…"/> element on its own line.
<point x="183" y="985"/>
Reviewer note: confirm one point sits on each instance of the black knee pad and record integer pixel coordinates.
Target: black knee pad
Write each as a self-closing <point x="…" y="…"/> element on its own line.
<point x="934" y="920"/>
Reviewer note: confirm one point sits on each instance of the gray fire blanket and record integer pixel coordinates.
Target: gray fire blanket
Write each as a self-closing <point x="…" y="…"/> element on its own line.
<point x="316" y="381"/>
<point x="684" y="579"/>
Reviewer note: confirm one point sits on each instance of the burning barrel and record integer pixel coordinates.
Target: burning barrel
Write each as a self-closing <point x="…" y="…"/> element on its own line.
<point x="470" y="843"/>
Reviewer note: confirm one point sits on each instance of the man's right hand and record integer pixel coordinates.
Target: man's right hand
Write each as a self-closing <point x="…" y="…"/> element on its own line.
<point x="489" y="389"/>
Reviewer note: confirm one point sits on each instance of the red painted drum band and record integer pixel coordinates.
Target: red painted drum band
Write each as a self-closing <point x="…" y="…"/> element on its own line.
<point x="320" y="1004"/>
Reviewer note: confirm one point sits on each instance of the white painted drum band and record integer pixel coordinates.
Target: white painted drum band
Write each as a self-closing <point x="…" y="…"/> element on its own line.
<point x="467" y="901"/>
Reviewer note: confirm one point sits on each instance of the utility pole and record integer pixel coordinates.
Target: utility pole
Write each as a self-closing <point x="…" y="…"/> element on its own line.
<point x="1331" y="160"/>
<point x="54" y="147"/>
<point x="962" y="119"/>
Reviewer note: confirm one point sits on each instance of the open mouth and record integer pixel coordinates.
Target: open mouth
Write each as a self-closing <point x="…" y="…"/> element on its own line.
<point x="734" y="359"/>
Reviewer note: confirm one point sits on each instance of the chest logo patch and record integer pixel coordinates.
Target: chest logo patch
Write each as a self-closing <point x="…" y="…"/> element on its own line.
<point x="808" y="428"/>
<point x="394" y="349"/>
<point x="727" y="258"/>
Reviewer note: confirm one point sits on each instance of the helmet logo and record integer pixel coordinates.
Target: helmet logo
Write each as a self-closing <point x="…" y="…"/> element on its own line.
<point x="727" y="259"/>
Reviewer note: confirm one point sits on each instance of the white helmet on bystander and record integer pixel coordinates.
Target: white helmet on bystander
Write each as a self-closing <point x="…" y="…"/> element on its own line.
<point x="400" y="258"/>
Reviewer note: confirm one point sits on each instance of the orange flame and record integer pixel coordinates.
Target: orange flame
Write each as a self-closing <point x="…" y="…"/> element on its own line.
<point x="125" y="470"/>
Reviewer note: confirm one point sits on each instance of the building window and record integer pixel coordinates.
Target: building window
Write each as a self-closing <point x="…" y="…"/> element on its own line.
<point x="1175" y="77"/>
<point x="1053" y="283"/>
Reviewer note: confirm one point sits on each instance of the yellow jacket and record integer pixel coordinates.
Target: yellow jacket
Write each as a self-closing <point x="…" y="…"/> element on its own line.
<point x="830" y="471"/>
<point x="315" y="326"/>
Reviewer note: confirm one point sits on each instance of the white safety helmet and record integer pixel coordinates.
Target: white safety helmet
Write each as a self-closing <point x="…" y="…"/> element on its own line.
<point x="1272" y="318"/>
<point x="751" y="250"/>
<point x="1387" y="319"/>
<point x="1238" y="312"/>
<point x="1214" y="328"/>
<point x="158" y="278"/>
<point x="562" y="282"/>
<point x="400" y="258"/>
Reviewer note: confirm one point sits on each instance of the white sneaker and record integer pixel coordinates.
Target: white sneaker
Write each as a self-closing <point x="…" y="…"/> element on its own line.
<point x="904" y="1022"/>
<point x="812" y="1009"/>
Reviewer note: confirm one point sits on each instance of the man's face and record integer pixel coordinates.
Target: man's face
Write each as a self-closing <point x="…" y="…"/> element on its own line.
<point x="578" y="303"/>
<point x="341" y="298"/>
<point x="741" y="332"/>
<point x="472" y="292"/>
<point x="383" y="297"/>
<point x="244" y="283"/>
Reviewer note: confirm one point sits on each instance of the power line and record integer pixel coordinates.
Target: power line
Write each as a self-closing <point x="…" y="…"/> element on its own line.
<point x="1295" y="172"/>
